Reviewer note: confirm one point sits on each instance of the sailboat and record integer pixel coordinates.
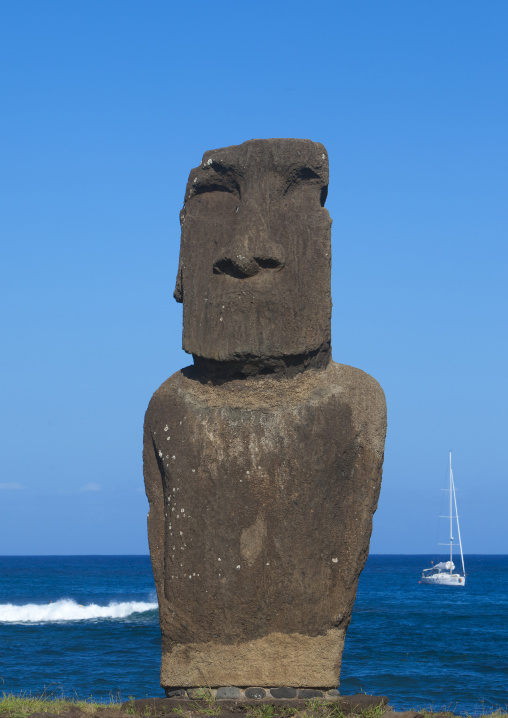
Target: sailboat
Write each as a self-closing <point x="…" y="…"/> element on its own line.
<point x="443" y="573"/>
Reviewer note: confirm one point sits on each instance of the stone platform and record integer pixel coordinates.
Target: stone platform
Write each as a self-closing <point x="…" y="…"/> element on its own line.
<point x="211" y="704"/>
<point x="233" y="693"/>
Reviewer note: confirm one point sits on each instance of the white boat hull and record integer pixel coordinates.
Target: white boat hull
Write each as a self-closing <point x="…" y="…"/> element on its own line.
<point x="444" y="579"/>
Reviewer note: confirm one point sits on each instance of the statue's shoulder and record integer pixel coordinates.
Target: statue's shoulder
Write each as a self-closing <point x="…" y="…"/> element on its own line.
<point x="165" y="395"/>
<point x="364" y="397"/>
<point x="355" y="382"/>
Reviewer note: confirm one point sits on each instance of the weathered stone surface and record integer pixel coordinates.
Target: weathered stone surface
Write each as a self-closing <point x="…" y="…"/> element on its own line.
<point x="307" y="693"/>
<point x="263" y="461"/>
<point x="255" y="693"/>
<point x="316" y="437"/>
<point x="175" y="692"/>
<point x="200" y="693"/>
<point x="228" y="693"/>
<point x="254" y="273"/>
<point x="284" y="692"/>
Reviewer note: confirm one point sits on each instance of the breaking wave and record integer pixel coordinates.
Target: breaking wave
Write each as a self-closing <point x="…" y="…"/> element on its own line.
<point x="68" y="610"/>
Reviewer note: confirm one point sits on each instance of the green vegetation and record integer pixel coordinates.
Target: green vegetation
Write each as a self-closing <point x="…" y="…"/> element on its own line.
<point x="314" y="708"/>
<point x="207" y="704"/>
<point x="263" y="711"/>
<point x="23" y="705"/>
<point x="209" y="708"/>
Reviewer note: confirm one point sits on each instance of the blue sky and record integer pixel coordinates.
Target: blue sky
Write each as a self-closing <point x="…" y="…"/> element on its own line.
<point x="105" y="109"/>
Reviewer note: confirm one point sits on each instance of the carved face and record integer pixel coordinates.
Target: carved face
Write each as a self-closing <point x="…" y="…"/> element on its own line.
<point x="255" y="256"/>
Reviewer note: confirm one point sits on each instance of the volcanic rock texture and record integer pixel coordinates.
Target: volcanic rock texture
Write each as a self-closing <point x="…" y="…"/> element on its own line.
<point x="263" y="460"/>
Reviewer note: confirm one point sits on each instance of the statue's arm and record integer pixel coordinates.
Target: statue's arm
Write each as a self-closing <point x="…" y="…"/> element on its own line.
<point x="153" y="474"/>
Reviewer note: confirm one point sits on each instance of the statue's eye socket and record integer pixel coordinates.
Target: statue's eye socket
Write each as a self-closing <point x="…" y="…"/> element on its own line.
<point x="212" y="187"/>
<point x="307" y="179"/>
<point x="224" y="182"/>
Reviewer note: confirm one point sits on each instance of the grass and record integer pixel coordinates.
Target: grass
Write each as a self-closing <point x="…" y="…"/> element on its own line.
<point x="317" y="708"/>
<point x="19" y="706"/>
<point x="314" y="708"/>
<point x="262" y="711"/>
<point x="207" y="705"/>
<point x="192" y="707"/>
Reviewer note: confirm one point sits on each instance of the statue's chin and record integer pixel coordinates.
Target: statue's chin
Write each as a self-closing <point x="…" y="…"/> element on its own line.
<point x="245" y="366"/>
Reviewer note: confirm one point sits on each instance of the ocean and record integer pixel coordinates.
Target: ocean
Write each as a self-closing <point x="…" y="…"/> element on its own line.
<point x="87" y="627"/>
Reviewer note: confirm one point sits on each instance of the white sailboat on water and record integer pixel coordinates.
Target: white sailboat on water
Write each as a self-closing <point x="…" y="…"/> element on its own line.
<point x="443" y="573"/>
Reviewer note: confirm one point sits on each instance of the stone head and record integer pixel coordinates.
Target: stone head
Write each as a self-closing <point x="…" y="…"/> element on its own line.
<point x="255" y="256"/>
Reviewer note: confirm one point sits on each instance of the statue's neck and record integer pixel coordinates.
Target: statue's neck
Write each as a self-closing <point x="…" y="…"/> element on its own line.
<point x="218" y="372"/>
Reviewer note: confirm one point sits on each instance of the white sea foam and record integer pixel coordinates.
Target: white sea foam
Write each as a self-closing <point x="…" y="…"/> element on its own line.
<point x="68" y="610"/>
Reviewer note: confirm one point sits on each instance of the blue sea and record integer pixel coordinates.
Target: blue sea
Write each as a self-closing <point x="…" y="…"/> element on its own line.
<point x="87" y="626"/>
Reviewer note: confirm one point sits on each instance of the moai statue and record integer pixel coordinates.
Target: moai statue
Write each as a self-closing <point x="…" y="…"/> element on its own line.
<point x="263" y="460"/>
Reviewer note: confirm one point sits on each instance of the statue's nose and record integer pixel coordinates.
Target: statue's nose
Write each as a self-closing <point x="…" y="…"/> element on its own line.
<point x="236" y="265"/>
<point x="250" y="249"/>
<point x="241" y="266"/>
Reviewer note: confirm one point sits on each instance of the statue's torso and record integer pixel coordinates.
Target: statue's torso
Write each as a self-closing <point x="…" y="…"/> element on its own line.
<point x="265" y="523"/>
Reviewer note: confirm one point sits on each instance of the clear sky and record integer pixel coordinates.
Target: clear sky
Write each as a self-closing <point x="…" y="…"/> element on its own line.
<point x="105" y="108"/>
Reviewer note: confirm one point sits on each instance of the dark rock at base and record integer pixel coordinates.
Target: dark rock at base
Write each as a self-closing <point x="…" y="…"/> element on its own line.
<point x="255" y="693"/>
<point x="285" y="692"/>
<point x="332" y="693"/>
<point x="310" y="693"/>
<point x="199" y="693"/>
<point x="175" y="693"/>
<point x="231" y="693"/>
<point x="403" y="714"/>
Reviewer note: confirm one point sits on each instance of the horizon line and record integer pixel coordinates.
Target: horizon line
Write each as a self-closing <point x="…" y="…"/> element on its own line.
<point x="147" y="555"/>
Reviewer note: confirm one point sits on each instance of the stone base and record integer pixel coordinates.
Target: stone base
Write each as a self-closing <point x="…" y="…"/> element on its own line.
<point x="276" y="659"/>
<point x="349" y="705"/>
<point x="233" y="693"/>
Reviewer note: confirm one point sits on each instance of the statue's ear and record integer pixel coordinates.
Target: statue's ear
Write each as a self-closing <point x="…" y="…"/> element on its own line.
<point x="178" y="293"/>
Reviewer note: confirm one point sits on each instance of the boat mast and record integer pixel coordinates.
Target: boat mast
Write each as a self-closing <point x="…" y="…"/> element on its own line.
<point x="451" y="516"/>
<point x="458" y="527"/>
